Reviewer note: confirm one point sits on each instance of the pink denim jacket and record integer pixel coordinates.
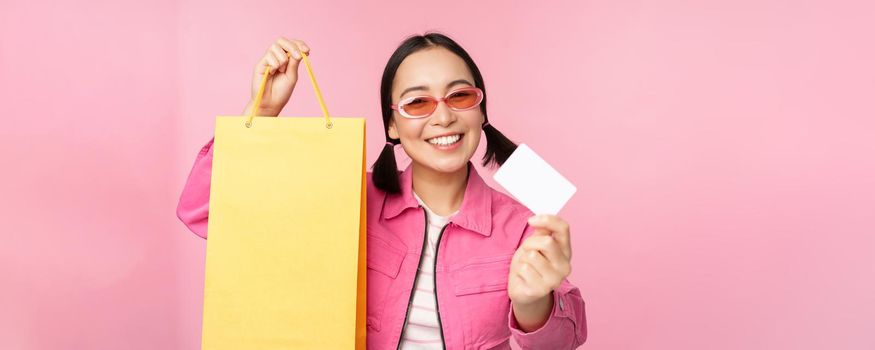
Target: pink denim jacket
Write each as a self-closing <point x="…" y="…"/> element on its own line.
<point x="472" y="266"/>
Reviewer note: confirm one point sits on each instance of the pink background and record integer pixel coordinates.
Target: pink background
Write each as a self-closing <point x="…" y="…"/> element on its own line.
<point x="723" y="152"/>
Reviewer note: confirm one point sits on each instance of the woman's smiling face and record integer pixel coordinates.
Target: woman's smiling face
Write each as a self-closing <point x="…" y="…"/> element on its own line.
<point x="435" y="72"/>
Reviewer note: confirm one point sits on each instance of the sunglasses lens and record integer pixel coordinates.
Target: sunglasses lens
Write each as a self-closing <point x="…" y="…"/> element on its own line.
<point x="463" y="99"/>
<point x="420" y="106"/>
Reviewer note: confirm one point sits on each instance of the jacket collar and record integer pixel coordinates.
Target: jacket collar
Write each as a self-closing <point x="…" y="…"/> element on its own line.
<point x="475" y="214"/>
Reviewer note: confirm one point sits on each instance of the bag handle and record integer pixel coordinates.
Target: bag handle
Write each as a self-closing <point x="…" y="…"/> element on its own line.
<point x="328" y="122"/>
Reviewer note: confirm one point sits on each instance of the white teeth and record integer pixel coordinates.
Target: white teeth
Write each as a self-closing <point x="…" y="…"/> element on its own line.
<point x="445" y="140"/>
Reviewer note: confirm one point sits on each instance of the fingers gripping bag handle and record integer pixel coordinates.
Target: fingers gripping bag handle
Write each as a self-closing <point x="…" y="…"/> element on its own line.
<point x="260" y="95"/>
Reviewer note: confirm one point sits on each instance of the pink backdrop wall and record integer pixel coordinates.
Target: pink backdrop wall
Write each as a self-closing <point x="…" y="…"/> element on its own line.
<point x="723" y="152"/>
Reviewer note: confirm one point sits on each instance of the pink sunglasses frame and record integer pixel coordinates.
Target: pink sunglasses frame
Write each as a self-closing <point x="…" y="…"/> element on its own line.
<point x="400" y="105"/>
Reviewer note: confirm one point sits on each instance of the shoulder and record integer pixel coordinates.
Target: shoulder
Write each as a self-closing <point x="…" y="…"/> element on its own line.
<point x="375" y="196"/>
<point x="503" y="203"/>
<point x="509" y="216"/>
<point x="372" y="191"/>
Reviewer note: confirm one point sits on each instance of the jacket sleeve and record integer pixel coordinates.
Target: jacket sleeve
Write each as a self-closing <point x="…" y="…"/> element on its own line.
<point x="194" y="202"/>
<point x="566" y="327"/>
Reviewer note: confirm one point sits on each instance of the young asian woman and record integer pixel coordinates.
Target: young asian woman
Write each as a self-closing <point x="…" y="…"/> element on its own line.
<point x="452" y="263"/>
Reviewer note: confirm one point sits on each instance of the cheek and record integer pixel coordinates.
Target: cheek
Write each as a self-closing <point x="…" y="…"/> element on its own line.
<point x="474" y="118"/>
<point x="473" y="142"/>
<point x="474" y="122"/>
<point x="408" y="132"/>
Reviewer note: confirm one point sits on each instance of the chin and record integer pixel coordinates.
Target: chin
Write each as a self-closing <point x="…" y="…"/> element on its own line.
<point x="448" y="166"/>
<point x="445" y="164"/>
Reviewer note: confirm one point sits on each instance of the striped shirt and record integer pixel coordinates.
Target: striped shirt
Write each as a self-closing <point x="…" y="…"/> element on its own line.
<point x="422" y="331"/>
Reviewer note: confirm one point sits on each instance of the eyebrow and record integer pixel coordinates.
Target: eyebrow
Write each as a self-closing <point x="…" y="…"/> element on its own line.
<point x="425" y="88"/>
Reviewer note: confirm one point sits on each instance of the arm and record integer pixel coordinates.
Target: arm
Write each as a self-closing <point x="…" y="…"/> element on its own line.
<point x="557" y="319"/>
<point x="282" y="59"/>
<point x="565" y="327"/>
<point x="194" y="202"/>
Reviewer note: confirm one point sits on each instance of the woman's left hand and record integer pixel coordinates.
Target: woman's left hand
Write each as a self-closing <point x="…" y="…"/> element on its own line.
<point x="541" y="262"/>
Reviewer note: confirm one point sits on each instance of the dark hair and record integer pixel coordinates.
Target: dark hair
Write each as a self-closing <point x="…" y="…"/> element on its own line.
<point x="498" y="147"/>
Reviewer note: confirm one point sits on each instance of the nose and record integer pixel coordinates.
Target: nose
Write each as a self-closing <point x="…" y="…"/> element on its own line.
<point x="443" y="115"/>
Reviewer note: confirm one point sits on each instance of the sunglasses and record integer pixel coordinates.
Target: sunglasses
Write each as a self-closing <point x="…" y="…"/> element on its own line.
<point x="423" y="106"/>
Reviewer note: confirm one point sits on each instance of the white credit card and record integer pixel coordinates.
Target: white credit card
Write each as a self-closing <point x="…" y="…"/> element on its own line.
<point x="533" y="182"/>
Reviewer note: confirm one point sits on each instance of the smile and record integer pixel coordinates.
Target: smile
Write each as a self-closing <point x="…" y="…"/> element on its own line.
<point x="445" y="140"/>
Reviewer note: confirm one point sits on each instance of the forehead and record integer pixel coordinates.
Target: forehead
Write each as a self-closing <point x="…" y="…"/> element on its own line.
<point x="432" y="67"/>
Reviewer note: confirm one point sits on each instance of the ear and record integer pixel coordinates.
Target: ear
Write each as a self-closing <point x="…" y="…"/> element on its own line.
<point x="393" y="129"/>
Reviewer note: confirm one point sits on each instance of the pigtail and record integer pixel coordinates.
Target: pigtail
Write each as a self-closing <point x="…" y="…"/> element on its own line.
<point x="385" y="170"/>
<point x="498" y="146"/>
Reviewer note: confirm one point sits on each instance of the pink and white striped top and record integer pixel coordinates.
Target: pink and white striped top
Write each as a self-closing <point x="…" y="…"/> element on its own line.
<point x="422" y="332"/>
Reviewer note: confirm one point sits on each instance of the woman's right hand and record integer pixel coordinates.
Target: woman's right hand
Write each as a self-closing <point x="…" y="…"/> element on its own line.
<point x="283" y="57"/>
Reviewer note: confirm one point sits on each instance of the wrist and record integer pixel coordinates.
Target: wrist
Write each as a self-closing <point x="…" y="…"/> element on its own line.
<point x="531" y="316"/>
<point x="262" y="111"/>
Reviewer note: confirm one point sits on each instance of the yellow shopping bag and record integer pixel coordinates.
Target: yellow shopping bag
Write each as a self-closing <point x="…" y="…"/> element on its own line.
<point x="286" y="258"/>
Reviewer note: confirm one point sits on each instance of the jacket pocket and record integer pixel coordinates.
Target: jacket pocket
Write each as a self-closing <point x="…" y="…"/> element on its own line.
<point x="480" y="285"/>
<point x="384" y="262"/>
<point x="481" y="275"/>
